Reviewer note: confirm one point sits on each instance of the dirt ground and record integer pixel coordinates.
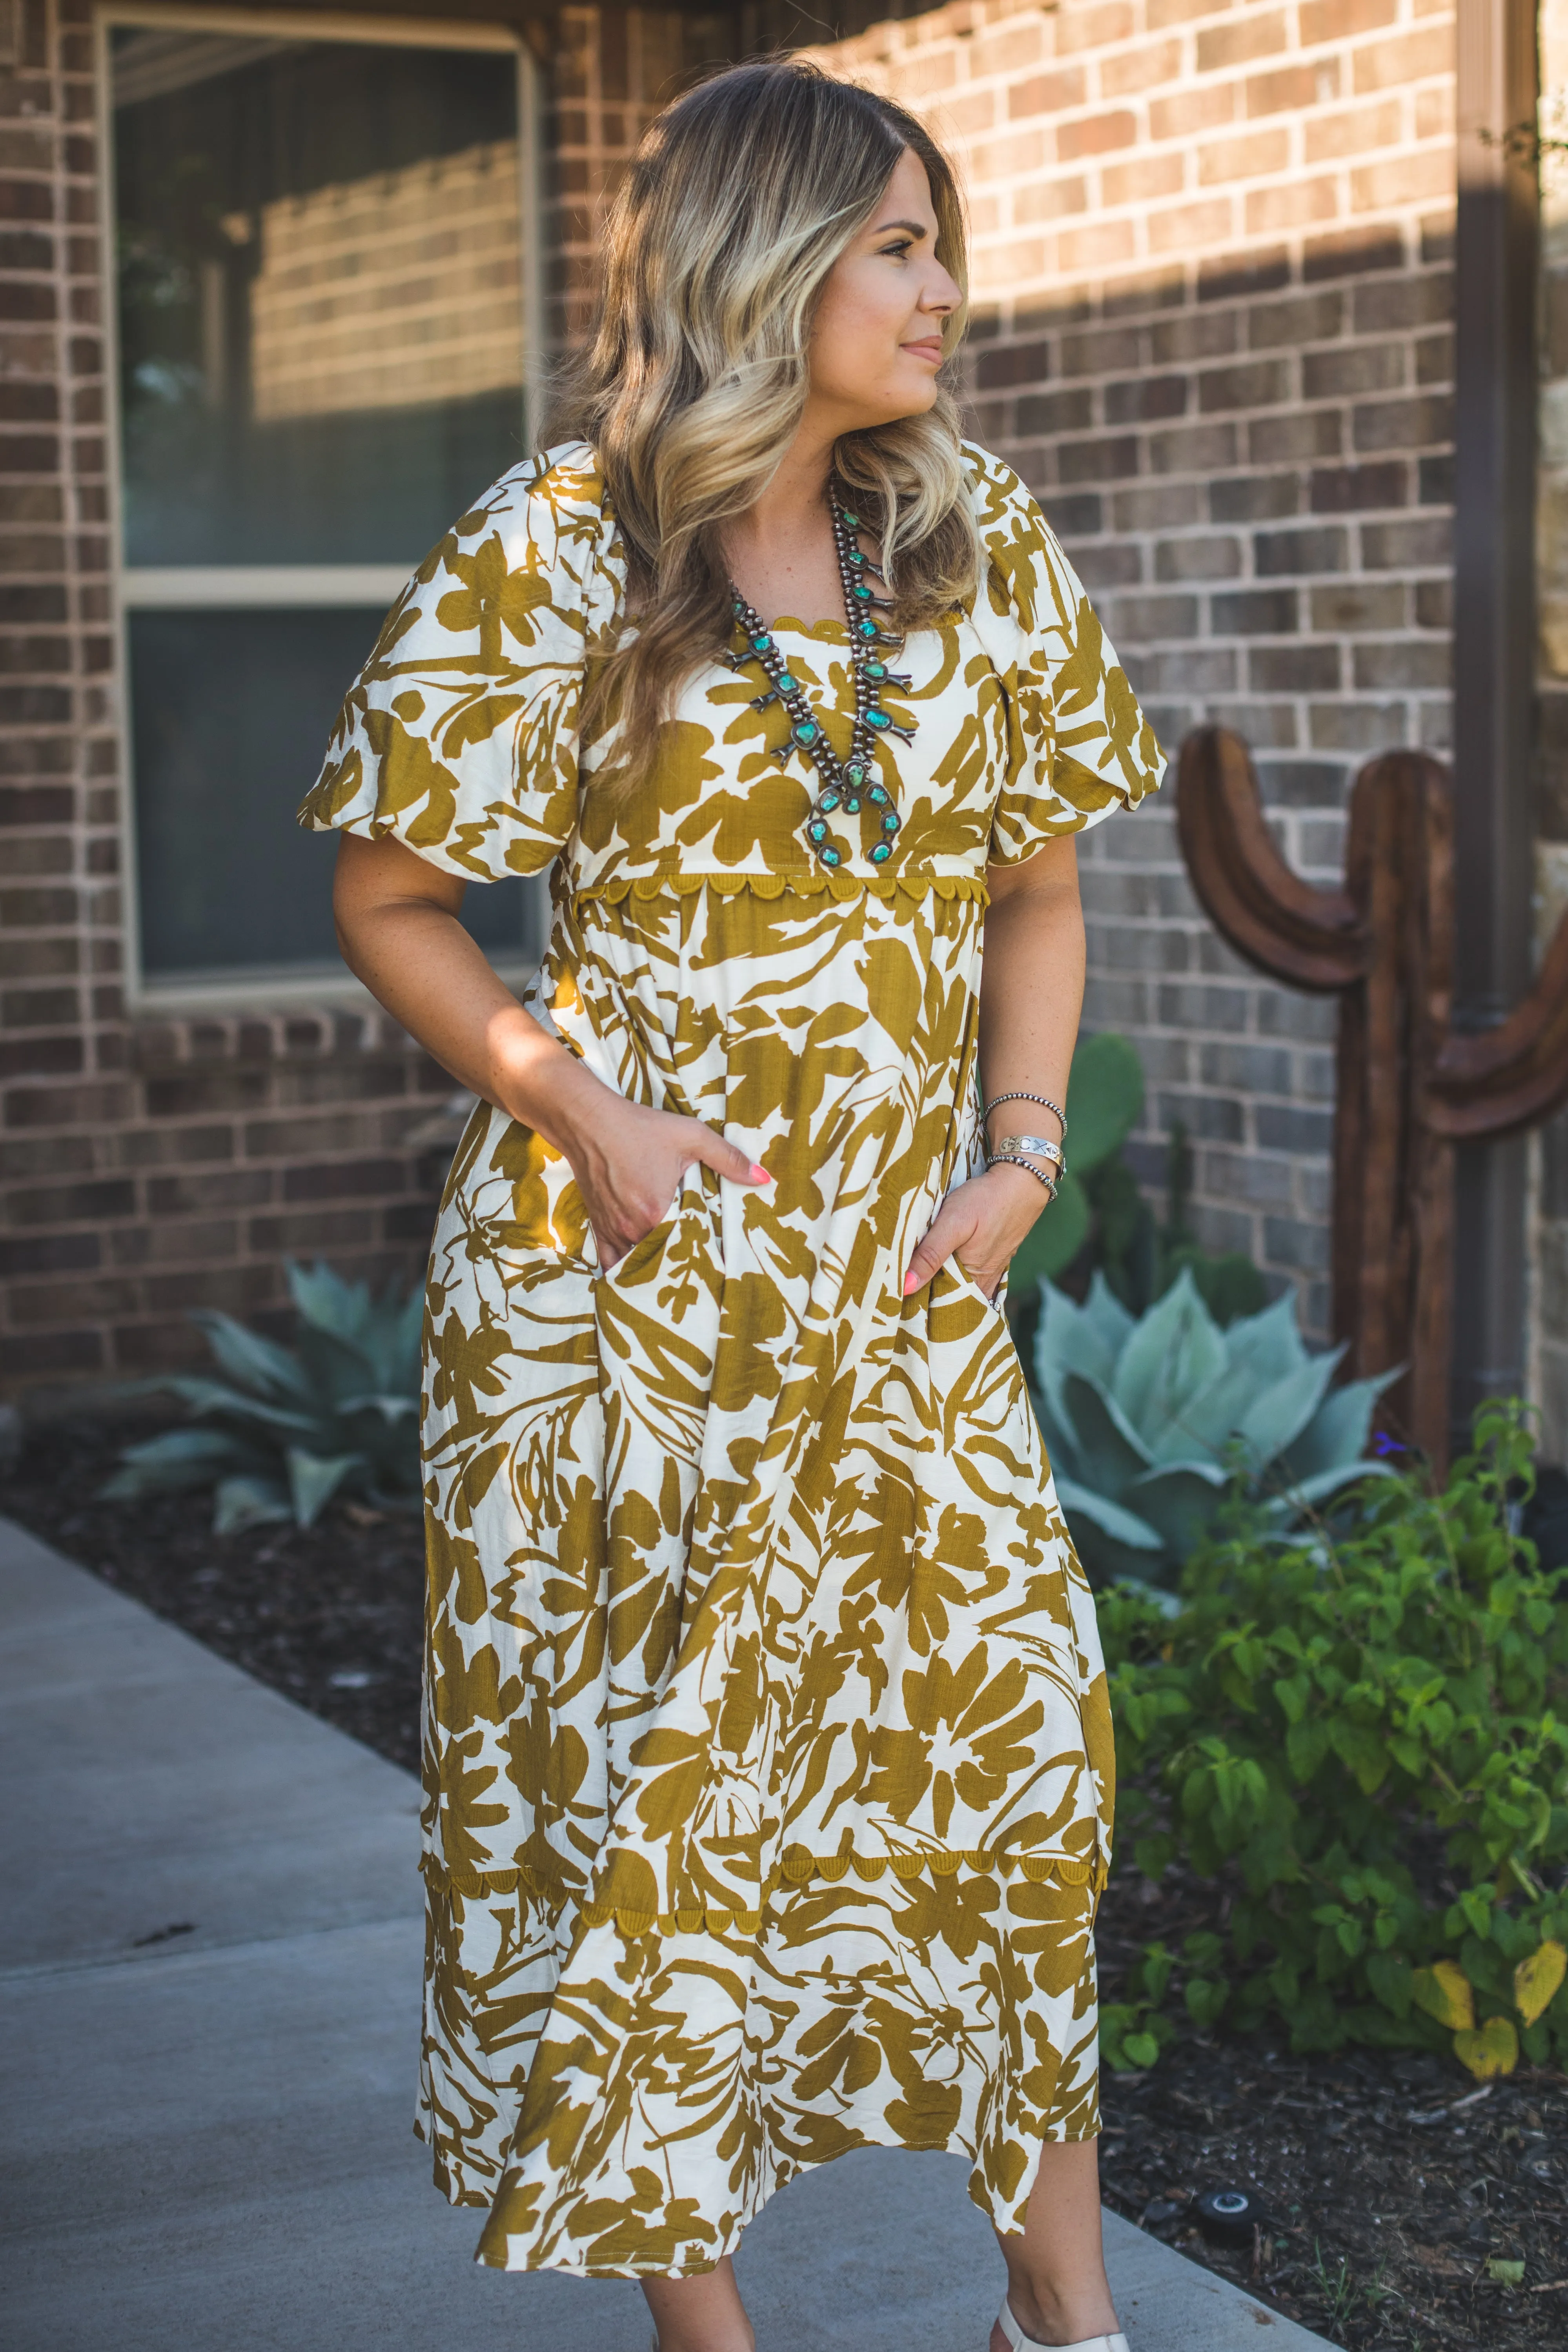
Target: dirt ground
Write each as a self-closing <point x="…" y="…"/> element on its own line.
<point x="1392" y="2198"/>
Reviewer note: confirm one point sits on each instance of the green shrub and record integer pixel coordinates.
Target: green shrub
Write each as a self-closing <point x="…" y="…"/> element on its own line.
<point x="290" y="1428"/>
<point x="1149" y="1424"/>
<point x="1358" y="1740"/>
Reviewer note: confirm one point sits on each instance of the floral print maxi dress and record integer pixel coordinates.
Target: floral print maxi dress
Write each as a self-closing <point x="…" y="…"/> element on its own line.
<point x="768" y="1761"/>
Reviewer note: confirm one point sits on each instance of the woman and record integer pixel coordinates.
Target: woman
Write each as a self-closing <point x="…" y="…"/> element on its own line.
<point x="768" y="1759"/>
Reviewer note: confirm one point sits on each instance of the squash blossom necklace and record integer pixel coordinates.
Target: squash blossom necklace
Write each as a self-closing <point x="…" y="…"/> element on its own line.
<point x="843" y="782"/>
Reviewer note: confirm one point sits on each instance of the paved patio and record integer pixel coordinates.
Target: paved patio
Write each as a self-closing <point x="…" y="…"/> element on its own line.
<point x="208" y="2140"/>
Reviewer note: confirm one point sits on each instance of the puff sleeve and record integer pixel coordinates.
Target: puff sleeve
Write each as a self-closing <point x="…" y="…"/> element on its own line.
<point x="1079" y="747"/>
<point x="459" y="735"/>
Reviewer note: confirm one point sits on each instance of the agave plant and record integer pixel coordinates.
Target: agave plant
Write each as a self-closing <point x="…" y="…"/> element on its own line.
<point x="1149" y="1420"/>
<point x="288" y="1428"/>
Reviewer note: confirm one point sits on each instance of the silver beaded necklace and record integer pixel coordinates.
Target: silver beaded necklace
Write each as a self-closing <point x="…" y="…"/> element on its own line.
<point x="843" y="782"/>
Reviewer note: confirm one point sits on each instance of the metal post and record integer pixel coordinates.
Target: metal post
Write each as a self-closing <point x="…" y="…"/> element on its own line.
<point x="1494" y="652"/>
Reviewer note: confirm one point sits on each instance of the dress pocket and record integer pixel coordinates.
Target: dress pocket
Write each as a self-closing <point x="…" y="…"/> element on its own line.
<point x="637" y="1266"/>
<point x="998" y="1304"/>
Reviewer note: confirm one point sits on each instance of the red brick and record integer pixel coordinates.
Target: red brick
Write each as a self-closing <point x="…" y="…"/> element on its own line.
<point x="1402" y="180"/>
<point x="1132" y="70"/>
<point x="1226" y="160"/>
<point x="1357" y="132"/>
<point x="1146" y="181"/>
<point x="1093" y="27"/>
<point x="23" y="298"/>
<point x="1343" y="20"/>
<point x="1049" y="93"/>
<point x="1293" y="88"/>
<point x="1192" y="111"/>
<point x="1182" y="228"/>
<point x="1098" y="135"/>
<point x="1393" y="64"/>
<point x="1237" y="44"/>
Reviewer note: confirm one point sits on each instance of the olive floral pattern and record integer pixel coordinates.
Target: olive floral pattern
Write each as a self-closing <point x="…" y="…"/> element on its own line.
<point x="768" y="1764"/>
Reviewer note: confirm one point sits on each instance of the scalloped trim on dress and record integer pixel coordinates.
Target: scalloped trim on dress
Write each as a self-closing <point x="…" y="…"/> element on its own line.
<point x="799" y="886"/>
<point x="796" y="1866"/>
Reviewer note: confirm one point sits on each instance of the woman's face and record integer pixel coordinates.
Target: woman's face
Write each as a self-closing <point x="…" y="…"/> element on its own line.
<point x="876" y="342"/>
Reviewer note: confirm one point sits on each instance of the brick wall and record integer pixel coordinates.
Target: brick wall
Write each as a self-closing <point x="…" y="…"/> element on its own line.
<point x="1213" y="304"/>
<point x="150" y="1166"/>
<point x="1212" y="292"/>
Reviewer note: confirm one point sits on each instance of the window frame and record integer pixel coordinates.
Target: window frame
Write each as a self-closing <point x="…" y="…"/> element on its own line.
<point x="274" y="587"/>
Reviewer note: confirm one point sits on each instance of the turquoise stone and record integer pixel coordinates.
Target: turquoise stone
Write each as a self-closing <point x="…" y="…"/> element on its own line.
<point x="829" y="802"/>
<point x="762" y="645"/>
<point x="830" y="858"/>
<point x="878" y="718"/>
<point x="817" y="831"/>
<point x="785" y="684"/>
<point x="853" y="803"/>
<point x="805" y="732"/>
<point x="861" y="590"/>
<point x="876" y="669"/>
<point x="853" y="521"/>
<point x="854" y="775"/>
<point x="878" y="796"/>
<point x="855" y="557"/>
<point x="890" y="822"/>
<point x="866" y="628"/>
<point x="881" y="855"/>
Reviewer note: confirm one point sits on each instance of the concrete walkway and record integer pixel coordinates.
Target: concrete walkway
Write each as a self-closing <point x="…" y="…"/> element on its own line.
<point x="210" y="1969"/>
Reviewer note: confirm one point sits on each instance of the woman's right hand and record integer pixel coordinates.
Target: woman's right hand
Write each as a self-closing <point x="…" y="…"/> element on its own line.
<point x="629" y="1160"/>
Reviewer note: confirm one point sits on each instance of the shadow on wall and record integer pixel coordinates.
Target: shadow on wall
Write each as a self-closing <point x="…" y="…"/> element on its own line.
<point x="1251" y="465"/>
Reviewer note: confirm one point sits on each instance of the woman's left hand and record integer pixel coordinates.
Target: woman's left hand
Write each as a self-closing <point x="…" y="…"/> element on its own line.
<point x="981" y="1224"/>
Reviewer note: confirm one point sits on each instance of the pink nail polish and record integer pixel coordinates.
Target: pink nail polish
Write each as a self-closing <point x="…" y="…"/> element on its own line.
<point x="759" y="1173"/>
<point x="909" y="1283"/>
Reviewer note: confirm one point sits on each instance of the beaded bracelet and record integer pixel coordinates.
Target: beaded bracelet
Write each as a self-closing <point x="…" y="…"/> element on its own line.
<point x="1017" y="1160"/>
<point x="1018" y="1094"/>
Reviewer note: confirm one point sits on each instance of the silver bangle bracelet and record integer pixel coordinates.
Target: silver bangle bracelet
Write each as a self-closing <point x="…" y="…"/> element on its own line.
<point x="1016" y="1160"/>
<point x="1038" y="1146"/>
<point x="1018" y="1094"/>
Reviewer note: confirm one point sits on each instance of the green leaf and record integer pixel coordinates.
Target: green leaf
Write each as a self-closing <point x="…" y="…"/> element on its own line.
<point x="314" y="1480"/>
<point x="1277" y="1417"/>
<point x="1153" y="1854"/>
<point x="1267" y="1345"/>
<point x="1172" y="1357"/>
<point x="1105" y="1098"/>
<point x="1110" y="1541"/>
<point x="1139" y="2050"/>
<point x="1336" y="1434"/>
<point x="1110" y="1451"/>
<point x="1306" y="1745"/>
<point x="1206" y="1997"/>
<point x="262" y="1367"/>
<point x="1181" y="1500"/>
<point x="1389" y="1975"/>
<point x="1293" y="1691"/>
<point x="1109" y="1320"/>
<point x="173" y="1463"/>
<point x="248" y="1502"/>
<point x="1361" y="1751"/>
<point x="1504" y="2273"/>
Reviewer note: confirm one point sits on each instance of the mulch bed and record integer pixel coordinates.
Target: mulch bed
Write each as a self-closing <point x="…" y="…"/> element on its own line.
<point x="1385" y="2186"/>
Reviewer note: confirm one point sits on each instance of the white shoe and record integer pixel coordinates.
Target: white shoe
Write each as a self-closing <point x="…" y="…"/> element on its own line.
<point x="1022" y="2343"/>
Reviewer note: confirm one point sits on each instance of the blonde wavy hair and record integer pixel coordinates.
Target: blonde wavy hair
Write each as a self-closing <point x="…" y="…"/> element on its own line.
<point x="741" y="197"/>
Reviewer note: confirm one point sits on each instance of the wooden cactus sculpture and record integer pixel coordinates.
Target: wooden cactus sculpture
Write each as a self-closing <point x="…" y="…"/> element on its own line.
<point x="1409" y="1088"/>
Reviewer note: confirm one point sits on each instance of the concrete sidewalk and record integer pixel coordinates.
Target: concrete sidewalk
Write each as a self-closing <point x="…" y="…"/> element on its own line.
<point x="207" y="2140"/>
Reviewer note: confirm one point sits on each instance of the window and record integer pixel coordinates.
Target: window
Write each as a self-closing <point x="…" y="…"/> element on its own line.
<point x="321" y="235"/>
